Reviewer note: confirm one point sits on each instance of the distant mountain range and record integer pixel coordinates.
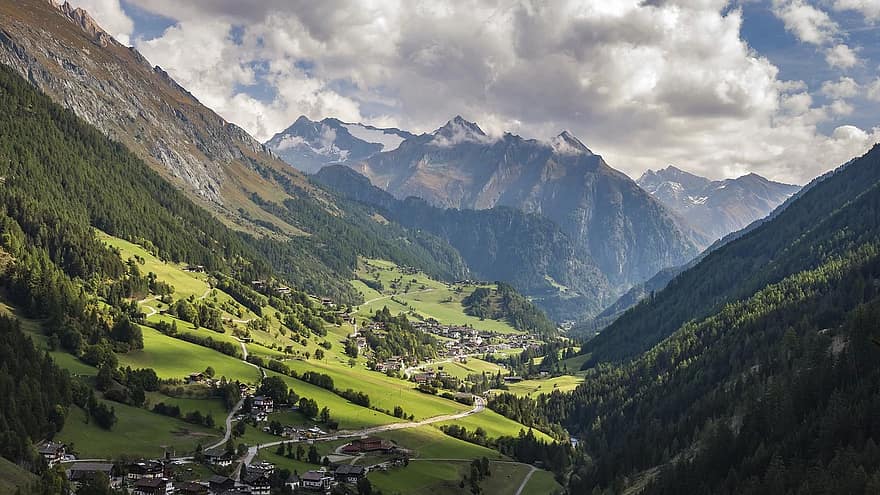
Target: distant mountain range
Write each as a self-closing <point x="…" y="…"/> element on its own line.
<point x="715" y="208"/>
<point x="628" y="234"/>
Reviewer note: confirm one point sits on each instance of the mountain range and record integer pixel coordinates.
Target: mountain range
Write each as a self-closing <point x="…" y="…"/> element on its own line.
<point x="715" y="208"/>
<point x="627" y="234"/>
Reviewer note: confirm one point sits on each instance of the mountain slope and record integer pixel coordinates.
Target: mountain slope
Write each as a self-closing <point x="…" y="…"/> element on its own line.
<point x="309" y="145"/>
<point x="63" y="52"/>
<point x="301" y="229"/>
<point x="820" y="224"/>
<point x="527" y="251"/>
<point x="715" y="208"/>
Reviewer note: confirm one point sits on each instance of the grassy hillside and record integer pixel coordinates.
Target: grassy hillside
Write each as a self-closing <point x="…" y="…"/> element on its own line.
<point x="419" y="296"/>
<point x="12" y="477"/>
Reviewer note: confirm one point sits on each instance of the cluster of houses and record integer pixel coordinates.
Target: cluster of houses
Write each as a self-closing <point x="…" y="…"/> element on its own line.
<point x="468" y="341"/>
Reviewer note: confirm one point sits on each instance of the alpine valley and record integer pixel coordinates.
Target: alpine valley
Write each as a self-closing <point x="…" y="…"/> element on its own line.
<point x="350" y="308"/>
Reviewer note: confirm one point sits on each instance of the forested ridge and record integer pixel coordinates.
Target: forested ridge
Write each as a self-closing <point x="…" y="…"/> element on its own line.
<point x="774" y="390"/>
<point x="821" y="223"/>
<point x="505" y="303"/>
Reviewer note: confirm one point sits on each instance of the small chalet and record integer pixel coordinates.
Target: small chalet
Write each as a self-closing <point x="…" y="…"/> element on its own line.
<point x="369" y="444"/>
<point x="85" y="471"/>
<point x="350" y="474"/>
<point x="219" y="483"/>
<point x="53" y="452"/>
<point x="145" y="469"/>
<point x="153" y="486"/>
<point x="262" y="404"/>
<point x="293" y="481"/>
<point x="259" y="483"/>
<point x="191" y="488"/>
<point x="316" y="480"/>
<point x="218" y="456"/>
<point x="512" y="379"/>
<point x="196" y="377"/>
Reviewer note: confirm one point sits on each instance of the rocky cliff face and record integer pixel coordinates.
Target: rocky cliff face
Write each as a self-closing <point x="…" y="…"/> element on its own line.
<point x="64" y="53"/>
<point x="716" y="208"/>
<point x="629" y="234"/>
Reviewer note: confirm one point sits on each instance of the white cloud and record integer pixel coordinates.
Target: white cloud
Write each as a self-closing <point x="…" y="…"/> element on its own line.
<point x="868" y="8"/>
<point x="640" y="82"/>
<point x="845" y="87"/>
<point x="807" y="23"/>
<point x="841" y="56"/>
<point x="873" y="92"/>
<point x="110" y="16"/>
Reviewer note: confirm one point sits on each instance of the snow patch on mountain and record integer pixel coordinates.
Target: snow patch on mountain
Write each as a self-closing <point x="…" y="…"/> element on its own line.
<point x="389" y="140"/>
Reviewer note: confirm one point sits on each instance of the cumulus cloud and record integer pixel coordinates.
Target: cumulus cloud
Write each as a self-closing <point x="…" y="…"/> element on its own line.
<point x="873" y="92"/>
<point x="841" y="56"/>
<point x="809" y="24"/>
<point x="845" y="87"/>
<point x="110" y="15"/>
<point x="868" y="8"/>
<point x="642" y="83"/>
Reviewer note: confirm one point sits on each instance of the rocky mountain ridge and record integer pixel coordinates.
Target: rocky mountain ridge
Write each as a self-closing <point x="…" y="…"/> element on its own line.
<point x="715" y="208"/>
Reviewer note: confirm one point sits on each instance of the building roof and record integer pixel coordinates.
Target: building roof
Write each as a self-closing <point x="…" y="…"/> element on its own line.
<point x="255" y="478"/>
<point x="91" y="467"/>
<point x="313" y="475"/>
<point x="150" y="483"/>
<point x="49" y="447"/>
<point x="219" y="480"/>
<point x="347" y="469"/>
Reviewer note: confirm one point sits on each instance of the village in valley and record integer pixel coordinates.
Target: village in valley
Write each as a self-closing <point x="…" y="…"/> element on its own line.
<point x="382" y="379"/>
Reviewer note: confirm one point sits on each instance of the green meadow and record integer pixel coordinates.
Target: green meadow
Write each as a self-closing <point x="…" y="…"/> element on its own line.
<point x="533" y="388"/>
<point x="137" y="433"/>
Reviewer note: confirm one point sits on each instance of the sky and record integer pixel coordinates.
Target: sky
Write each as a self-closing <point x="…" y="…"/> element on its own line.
<point x="784" y="88"/>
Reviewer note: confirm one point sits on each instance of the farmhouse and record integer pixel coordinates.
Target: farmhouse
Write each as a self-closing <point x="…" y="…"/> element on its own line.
<point x="53" y="452"/>
<point x="218" y="456"/>
<point x="293" y="482"/>
<point x="84" y="471"/>
<point x="259" y="483"/>
<point x="350" y="474"/>
<point x="220" y="483"/>
<point x="369" y="444"/>
<point x="262" y="404"/>
<point x="145" y="470"/>
<point x="191" y="488"/>
<point x="153" y="486"/>
<point x="316" y="480"/>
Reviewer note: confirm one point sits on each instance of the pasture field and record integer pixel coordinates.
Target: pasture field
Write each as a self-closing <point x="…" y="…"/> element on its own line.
<point x="430" y="443"/>
<point x="542" y="483"/>
<point x="533" y="388"/>
<point x="418" y="294"/>
<point x="385" y="392"/>
<point x="137" y="433"/>
<point x="175" y="358"/>
<point x="494" y="424"/>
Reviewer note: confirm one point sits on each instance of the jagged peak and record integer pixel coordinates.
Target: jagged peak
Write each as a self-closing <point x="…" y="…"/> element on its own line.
<point x="85" y="21"/>
<point x="567" y="144"/>
<point x="458" y="130"/>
